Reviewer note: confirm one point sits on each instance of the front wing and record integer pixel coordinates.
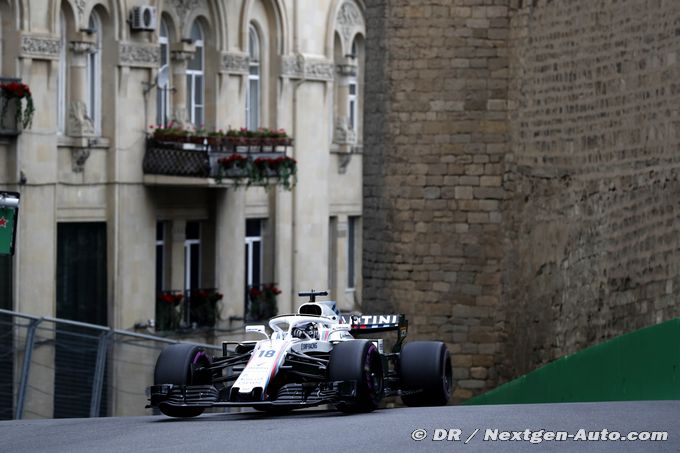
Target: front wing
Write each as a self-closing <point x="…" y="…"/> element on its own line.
<point x="294" y="395"/>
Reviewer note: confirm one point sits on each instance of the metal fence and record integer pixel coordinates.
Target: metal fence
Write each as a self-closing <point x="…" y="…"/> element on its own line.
<point x="55" y="368"/>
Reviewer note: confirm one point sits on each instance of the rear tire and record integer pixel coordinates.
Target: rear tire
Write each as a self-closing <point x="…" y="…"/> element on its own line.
<point x="177" y="365"/>
<point x="358" y="360"/>
<point x="425" y="370"/>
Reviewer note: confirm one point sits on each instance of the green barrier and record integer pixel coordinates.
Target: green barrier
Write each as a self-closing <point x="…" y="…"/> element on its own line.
<point x="642" y="365"/>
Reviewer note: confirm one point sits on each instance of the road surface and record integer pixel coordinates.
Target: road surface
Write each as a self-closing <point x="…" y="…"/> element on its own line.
<point x="385" y="430"/>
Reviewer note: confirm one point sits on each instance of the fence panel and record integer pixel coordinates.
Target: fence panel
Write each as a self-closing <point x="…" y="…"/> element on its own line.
<point x="54" y="368"/>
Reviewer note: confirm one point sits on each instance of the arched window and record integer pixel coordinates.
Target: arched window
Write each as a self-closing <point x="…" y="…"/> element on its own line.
<point x="61" y="81"/>
<point x="94" y="74"/>
<point x="253" y="89"/>
<point x="162" y="88"/>
<point x="195" y="78"/>
<point x="352" y="101"/>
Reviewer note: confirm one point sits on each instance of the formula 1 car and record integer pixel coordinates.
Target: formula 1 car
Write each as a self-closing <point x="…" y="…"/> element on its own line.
<point x="309" y="358"/>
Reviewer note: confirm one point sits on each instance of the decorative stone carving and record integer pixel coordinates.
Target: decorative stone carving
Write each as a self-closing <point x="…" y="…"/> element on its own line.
<point x="293" y="67"/>
<point x="299" y="67"/>
<point x="78" y="158"/>
<point x="319" y="69"/>
<point x="235" y="63"/>
<point x="79" y="122"/>
<point x="139" y="55"/>
<point x="182" y="7"/>
<point x="343" y="162"/>
<point x="342" y="134"/>
<point x="80" y="4"/>
<point x="40" y="47"/>
<point x="349" y="20"/>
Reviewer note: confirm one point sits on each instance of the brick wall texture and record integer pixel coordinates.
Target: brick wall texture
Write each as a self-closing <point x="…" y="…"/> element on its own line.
<point x="522" y="199"/>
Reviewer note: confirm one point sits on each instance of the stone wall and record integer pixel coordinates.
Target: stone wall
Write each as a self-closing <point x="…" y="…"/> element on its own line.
<point x="593" y="231"/>
<point x="436" y="137"/>
<point x="521" y="175"/>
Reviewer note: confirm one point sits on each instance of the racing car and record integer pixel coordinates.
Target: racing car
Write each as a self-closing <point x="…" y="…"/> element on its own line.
<point x="310" y="358"/>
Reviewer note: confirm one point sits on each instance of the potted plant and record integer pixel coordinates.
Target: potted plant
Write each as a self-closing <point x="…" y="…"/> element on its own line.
<point x="172" y="132"/>
<point x="14" y="115"/>
<point x="168" y="310"/>
<point x="262" y="302"/>
<point x="205" y="307"/>
<point x="215" y="138"/>
<point x="258" y="138"/>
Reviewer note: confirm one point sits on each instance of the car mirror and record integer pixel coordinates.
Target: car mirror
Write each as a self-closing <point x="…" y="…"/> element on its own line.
<point x="257" y="329"/>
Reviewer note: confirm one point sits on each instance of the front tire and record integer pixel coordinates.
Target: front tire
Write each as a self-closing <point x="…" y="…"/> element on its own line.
<point x="358" y="360"/>
<point x="178" y="365"/>
<point x="426" y="375"/>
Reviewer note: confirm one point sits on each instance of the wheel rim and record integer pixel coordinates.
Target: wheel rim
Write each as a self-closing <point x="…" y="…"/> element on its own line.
<point x="447" y="376"/>
<point x="372" y="373"/>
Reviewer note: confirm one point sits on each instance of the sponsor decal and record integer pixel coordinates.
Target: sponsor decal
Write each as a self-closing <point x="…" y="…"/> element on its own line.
<point x="371" y="320"/>
<point x="308" y="346"/>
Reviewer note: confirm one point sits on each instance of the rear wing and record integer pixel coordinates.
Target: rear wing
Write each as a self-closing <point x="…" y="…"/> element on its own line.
<point x="369" y="324"/>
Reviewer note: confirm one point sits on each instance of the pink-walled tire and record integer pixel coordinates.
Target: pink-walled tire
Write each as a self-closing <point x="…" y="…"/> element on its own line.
<point x="358" y="360"/>
<point x="176" y="365"/>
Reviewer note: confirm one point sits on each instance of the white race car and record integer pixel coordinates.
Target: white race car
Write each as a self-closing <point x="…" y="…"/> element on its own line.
<point x="307" y="359"/>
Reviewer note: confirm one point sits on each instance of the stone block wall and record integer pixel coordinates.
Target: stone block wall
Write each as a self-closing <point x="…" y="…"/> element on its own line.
<point x="593" y="223"/>
<point x="521" y="175"/>
<point x="435" y="141"/>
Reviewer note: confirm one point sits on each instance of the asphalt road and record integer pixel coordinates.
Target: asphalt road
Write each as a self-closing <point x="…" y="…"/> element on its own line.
<point x="386" y="430"/>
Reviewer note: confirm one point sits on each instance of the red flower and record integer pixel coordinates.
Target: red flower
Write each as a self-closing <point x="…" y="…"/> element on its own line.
<point x="16" y="89"/>
<point x="170" y="298"/>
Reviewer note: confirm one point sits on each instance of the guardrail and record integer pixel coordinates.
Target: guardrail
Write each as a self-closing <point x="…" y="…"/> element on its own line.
<point x="57" y="368"/>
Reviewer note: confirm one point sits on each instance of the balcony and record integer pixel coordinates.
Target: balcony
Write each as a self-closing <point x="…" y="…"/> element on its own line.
<point x="195" y="160"/>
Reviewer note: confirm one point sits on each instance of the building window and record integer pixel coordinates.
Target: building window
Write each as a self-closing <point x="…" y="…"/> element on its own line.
<point x="160" y="257"/>
<point x="332" y="251"/>
<point x="352" y="104"/>
<point x="352" y="223"/>
<point x="162" y="100"/>
<point x="253" y="90"/>
<point x="61" y="82"/>
<point x="253" y="255"/>
<point x="195" y="78"/>
<point x="94" y="74"/>
<point x="192" y="256"/>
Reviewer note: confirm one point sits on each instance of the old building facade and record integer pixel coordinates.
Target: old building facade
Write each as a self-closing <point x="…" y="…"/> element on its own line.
<point x="100" y="235"/>
<point x="521" y="175"/>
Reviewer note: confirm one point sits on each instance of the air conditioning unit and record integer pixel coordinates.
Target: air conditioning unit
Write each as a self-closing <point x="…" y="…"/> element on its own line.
<point x="143" y="18"/>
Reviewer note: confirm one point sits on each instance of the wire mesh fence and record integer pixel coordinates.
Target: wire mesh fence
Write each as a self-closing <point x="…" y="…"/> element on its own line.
<point x="54" y="368"/>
